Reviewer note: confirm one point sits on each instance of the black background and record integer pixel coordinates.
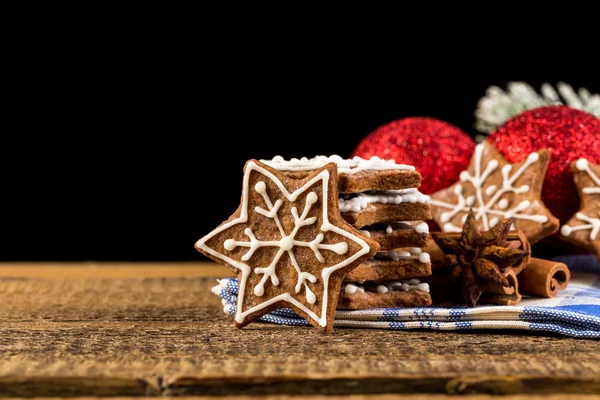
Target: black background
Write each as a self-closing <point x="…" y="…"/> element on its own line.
<point x="129" y="128"/>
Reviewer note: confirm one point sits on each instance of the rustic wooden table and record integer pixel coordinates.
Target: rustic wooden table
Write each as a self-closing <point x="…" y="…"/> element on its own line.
<point x="149" y="330"/>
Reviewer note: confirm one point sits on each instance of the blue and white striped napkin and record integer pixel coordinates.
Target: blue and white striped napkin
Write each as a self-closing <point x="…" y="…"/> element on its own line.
<point x="574" y="312"/>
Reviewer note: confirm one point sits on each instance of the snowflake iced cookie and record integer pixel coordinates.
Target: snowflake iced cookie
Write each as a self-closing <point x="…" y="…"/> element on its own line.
<point x="356" y="174"/>
<point x="583" y="229"/>
<point x="496" y="189"/>
<point x="288" y="245"/>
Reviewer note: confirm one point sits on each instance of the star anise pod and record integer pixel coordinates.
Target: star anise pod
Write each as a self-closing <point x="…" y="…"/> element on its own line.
<point x="476" y="257"/>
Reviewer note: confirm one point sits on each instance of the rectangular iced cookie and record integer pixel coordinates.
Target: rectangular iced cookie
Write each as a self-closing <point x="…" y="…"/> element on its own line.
<point x="398" y="234"/>
<point x="355" y="175"/>
<point x="411" y="293"/>
<point x="382" y="213"/>
<point x="390" y="265"/>
<point x="370" y="208"/>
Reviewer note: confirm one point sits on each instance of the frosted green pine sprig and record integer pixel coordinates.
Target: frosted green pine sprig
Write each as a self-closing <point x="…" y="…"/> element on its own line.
<point x="498" y="105"/>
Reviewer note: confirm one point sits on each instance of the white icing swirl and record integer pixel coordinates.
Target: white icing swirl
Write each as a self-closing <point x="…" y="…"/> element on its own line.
<point x="421" y="227"/>
<point x="414" y="253"/>
<point x="392" y="286"/>
<point x="346" y="166"/>
<point x="352" y="288"/>
<point x="360" y="201"/>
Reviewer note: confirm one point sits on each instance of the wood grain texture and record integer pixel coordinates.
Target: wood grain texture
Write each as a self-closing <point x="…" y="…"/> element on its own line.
<point x="364" y="397"/>
<point x="93" y="270"/>
<point x="137" y="336"/>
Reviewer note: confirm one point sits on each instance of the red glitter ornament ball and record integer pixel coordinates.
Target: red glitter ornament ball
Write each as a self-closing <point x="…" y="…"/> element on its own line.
<point x="438" y="150"/>
<point x="568" y="134"/>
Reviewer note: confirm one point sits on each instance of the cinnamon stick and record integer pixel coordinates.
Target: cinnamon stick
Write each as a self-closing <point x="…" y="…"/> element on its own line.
<point x="525" y="246"/>
<point x="494" y="293"/>
<point x="544" y="278"/>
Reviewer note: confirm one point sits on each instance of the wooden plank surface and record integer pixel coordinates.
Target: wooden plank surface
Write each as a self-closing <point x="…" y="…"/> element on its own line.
<point x="370" y="397"/>
<point x="94" y="270"/>
<point x="135" y="330"/>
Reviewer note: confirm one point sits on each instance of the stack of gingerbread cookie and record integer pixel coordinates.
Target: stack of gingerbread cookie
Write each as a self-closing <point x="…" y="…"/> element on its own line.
<point x="381" y="199"/>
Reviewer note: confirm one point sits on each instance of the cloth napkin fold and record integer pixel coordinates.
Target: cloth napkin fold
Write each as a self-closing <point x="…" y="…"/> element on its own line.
<point x="574" y="312"/>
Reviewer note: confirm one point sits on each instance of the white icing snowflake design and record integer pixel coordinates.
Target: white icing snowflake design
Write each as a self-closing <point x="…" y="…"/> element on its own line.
<point x="285" y="244"/>
<point x="496" y="206"/>
<point x="592" y="223"/>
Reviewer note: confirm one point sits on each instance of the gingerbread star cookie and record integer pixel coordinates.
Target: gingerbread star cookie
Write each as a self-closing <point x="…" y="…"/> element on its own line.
<point x="495" y="190"/>
<point x="288" y="245"/>
<point x="583" y="228"/>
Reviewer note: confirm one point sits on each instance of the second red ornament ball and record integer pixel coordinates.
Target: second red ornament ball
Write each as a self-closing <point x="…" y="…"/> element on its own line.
<point x="437" y="149"/>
